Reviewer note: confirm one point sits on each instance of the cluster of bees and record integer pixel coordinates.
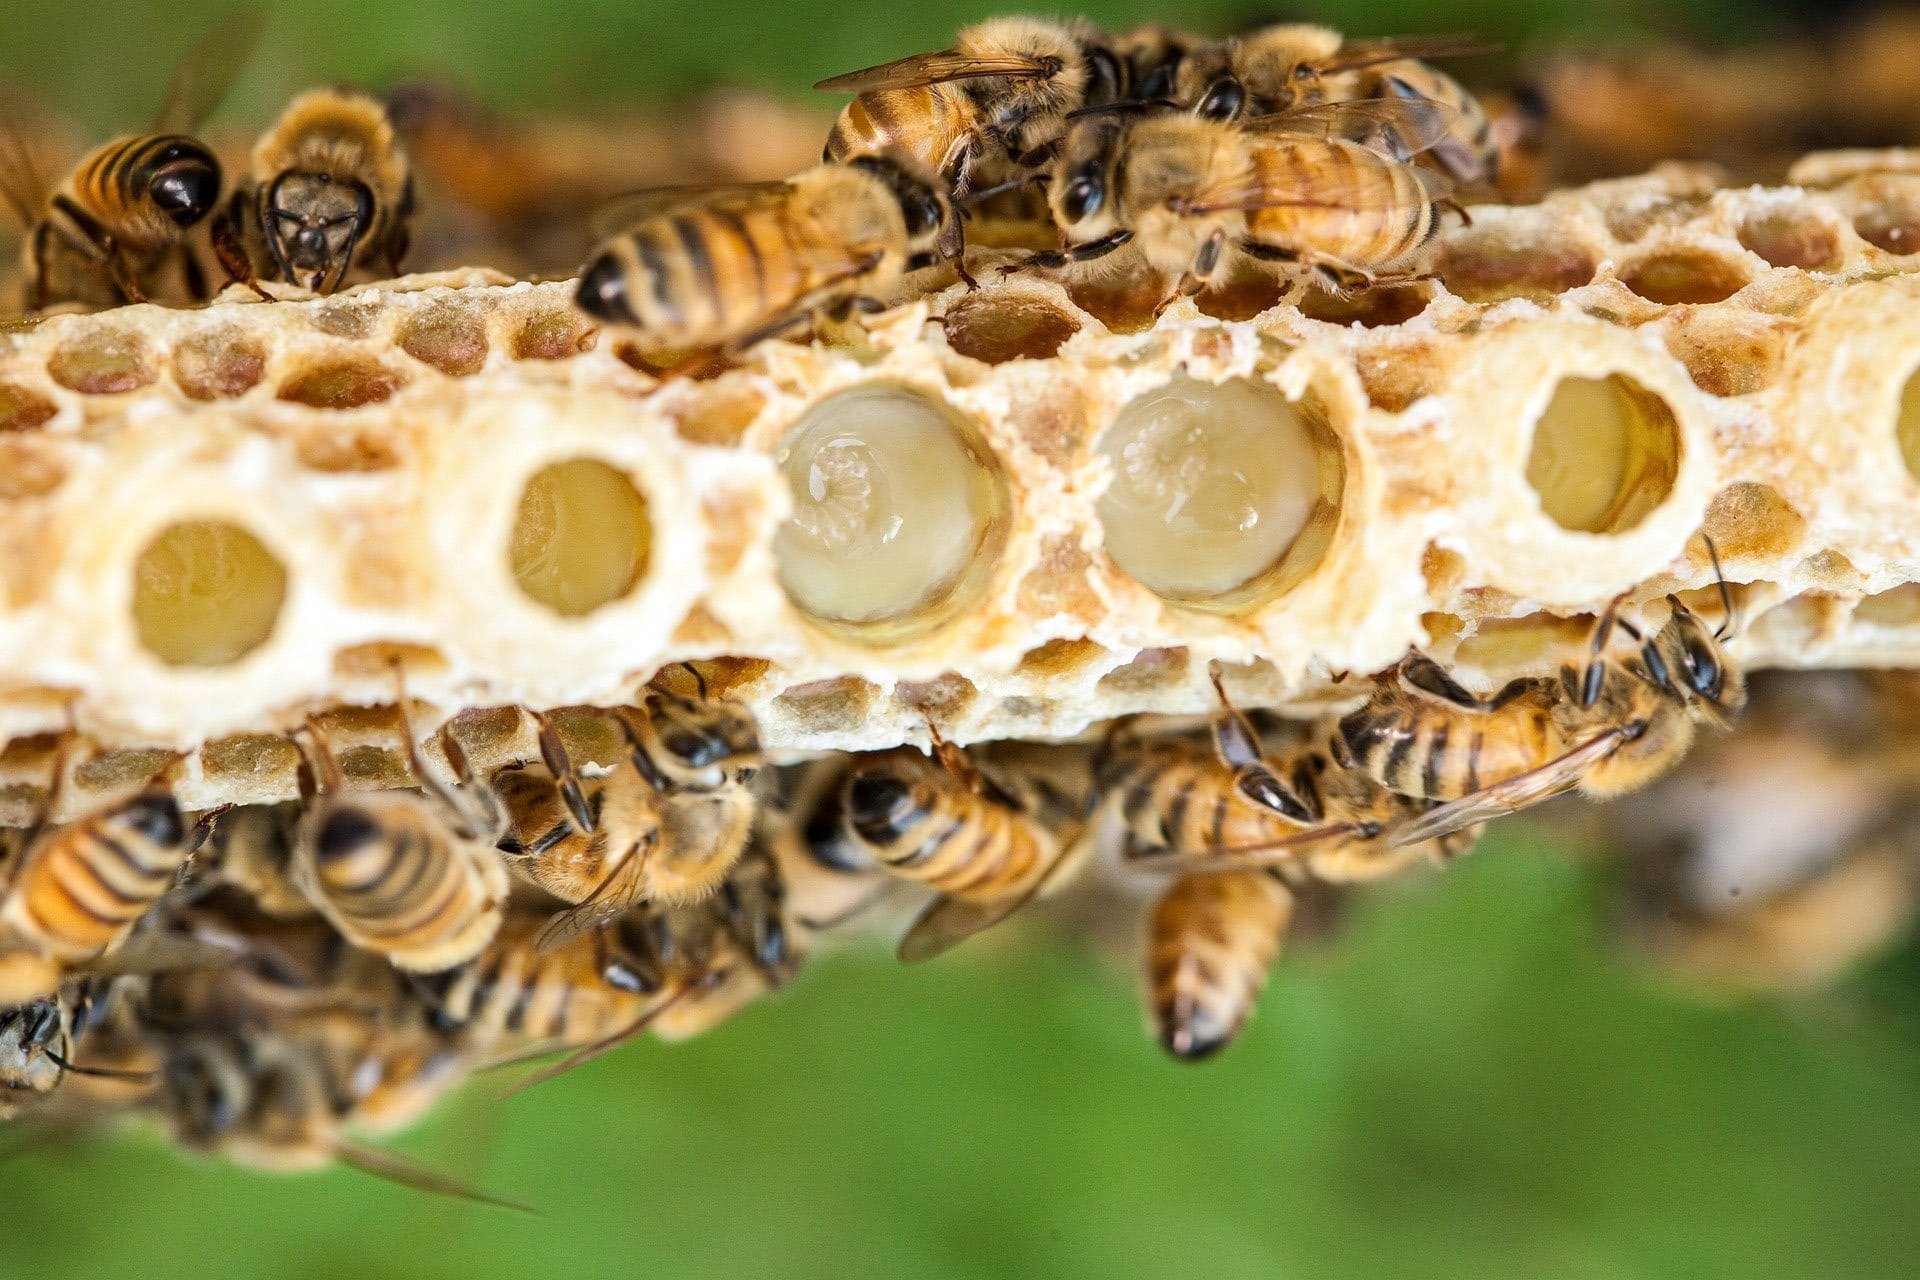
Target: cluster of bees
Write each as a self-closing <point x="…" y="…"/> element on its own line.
<point x="272" y="980"/>
<point x="1288" y="152"/>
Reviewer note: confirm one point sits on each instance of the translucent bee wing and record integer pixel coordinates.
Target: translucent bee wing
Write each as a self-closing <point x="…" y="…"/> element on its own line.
<point x="1254" y="196"/>
<point x="1516" y="793"/>
<point x="607" y="1044"/>
<point x="947" y="922"/>
<point x="628" y="209"/>
<point x="612" y="898"/>
<point x="1355" y="55"/>
<point x="389" y="1167"/>
<point x="1397" y="128"/>
<point x="1246" y="857"/>
<point x="150" y="953"/>
<point x="207" y="70"/>
<point x="23" y="185"/>
<point x="923" y="69"/>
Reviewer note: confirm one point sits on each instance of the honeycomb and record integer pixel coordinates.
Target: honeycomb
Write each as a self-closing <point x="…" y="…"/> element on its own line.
<point x="1015" y="512"/>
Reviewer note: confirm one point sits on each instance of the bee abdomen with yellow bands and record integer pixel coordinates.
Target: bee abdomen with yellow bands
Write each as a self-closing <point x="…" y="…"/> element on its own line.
<point x="1211" y="941"/>
<point x="82" y="886"/>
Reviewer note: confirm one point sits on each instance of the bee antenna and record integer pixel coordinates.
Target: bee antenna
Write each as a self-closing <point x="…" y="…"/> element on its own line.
<point x="1727" y="624"/>
<point x="104" y="1073"/>
<point x="699" y="681"/>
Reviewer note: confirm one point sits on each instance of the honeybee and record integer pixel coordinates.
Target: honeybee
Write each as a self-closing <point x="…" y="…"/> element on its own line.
<point x="253" y="848"/>
<point x="1606" y="727"/>
<point x="998" y="98"/>
<point x="331" y="189"/>
<point x="985" y="844"/>
<point x="666" y="825"/>
<point x="1231" y="806"/>
<point x="106" y="233"/>
<point x="414" y="880"/>
<point x="41" y="1039"/>
<point x="282" y="1099"/>
<point x="726" y="266"/>
<point x="76" y="890"/>
<point x="1321" y="193"/>
<point x="1280" y="68"/>
<point x="1211" y="941"/>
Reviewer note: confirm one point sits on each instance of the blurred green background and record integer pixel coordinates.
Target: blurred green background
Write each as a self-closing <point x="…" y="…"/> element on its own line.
<point x="1473" y="1080"/>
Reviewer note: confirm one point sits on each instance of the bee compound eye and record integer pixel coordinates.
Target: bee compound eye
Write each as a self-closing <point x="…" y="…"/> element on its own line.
<point x="1083" y="199"/>
<point x="186" y="191"/>
<point x="602" y="292"/>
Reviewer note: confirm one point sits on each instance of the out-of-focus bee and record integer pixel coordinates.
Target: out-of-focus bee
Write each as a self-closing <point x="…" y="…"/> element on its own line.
<point x="40" y="1043"/>
<point x="1607" y="727"/>
<point x="253" y="848"/>
<point x="988" y="845"/>
<point x="413" y="879"/>
<point x="283" y="1099"/>
<point x="1152" y="55"/>
<point x="1319" y="194"/>
<point x="996" y="100"/>
<point x="109" y="231"/>
<point x="725" y="266"/>
<point x="77" y="889"/>
<point x="331" y="189"/>
<point x="1281" y="68"/>
<point x="1211" y="940"/>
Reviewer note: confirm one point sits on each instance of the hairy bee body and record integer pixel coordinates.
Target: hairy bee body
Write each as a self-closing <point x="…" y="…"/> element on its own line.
<point x="331" y="190"/>
<point x="923" y="825"/>
<point x="1287" y="66"/>
<point x="1178" y="797"/>
<point x="1376" y="214"/>
<point x="119" y="218"/>
<point x="545" y="846"/>
<point x="392" y="876"/>
<point x="1211" y="941"/>
<point x="720" y="267"/>
<point x="1417" y="737"/>
<point x="513" y="993"/>
<point x="1001" y="93"/>
<point x="79" y="888"/>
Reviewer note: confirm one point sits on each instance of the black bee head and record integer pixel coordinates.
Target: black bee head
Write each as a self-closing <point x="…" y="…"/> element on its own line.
<point x="313" y="224"/>
<point x="185" y="183"/>
<point x="155" y="816"/>
<point x="879" y="804"/>
<point x="602" y="291"/>
<point x="1224" y="99"/>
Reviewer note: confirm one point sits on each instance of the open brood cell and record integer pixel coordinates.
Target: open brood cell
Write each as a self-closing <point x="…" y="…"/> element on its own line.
<point x="996" y="509"/>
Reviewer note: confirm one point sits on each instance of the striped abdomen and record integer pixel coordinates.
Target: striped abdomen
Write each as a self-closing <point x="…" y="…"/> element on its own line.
<point x="708" y="275"/>
<point x="83" y="886"/>
<point x="139" y="192"/>
<point x="932" y="830"/>
<point x="1210" y="943"/>
<point x="514" y="994"/>
<point x="1183" y="801"/>
<point x="393" y="879"/>
<point x="1363" y="211"/>
<point x="1419" y="745"/>
<point x="926" y="123"/>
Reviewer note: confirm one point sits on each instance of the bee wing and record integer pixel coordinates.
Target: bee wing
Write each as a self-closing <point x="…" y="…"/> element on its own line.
<point x="933" y="68"/>
<point x="23" y="185"/>
<point x="625" y="210"/>
<point x="607" y="1044"/>
<point x="208" y="69"/>
<point x="1357" y="54"/>
<point x="1245" y="857"/>
<point x="1397" y="128"/>
<point x="612" y="898"/>
<point x="150" y="953"/>
<point x="947" y="922"/>
<point x="392" y="1168"/>
<point x="1511" y="796"/>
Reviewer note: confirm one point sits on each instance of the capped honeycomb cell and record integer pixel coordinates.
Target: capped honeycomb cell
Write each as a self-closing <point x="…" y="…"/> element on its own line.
<point x="341" y="384"/>
<point x="581" y="537"/>
<point x="998" y="329"/>
<point x="106" y="361"/>
<point x="1605" y="452"/>
<point x="218" y="364"/>
<point x="22" y="409"/>
<point x="206" y="593"/>
<point x="898" y="512"/>
<point x="1219" y="494"/>
<point x="450" y="337"/>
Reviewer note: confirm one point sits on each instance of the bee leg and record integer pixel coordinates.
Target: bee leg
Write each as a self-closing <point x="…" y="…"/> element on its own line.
<point x="232" y="254"/>
<point x="554" y="754"/>
<point x="1199" y="275"/>
<point x="124" y="278"/>
<point x="41" y="233"/>
<point x="1054" y="259"/>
